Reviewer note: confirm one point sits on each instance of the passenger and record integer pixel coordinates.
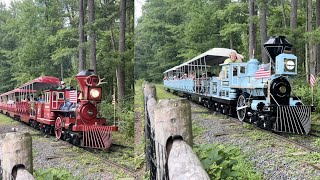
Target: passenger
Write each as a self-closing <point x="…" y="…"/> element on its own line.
<point x="40" y="98"/>
<point x="66" y="105"/>
<point x="62" y="86"/>
<point x="192" y="76"/>
<point x="184" y="76"/>
<point x="233" y="58"/>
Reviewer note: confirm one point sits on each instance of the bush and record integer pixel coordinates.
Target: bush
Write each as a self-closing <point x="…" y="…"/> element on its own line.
<point x="125" y="116"/>
<point x="301" y="88"/>
<point x="223" y="162"/>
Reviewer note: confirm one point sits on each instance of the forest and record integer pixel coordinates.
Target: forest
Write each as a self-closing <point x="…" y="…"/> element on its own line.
<point x="173" y="31"/>
<point x="60" y="38"/>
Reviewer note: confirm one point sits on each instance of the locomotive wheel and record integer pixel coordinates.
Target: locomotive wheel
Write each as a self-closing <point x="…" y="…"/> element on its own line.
<point x="58" y="128"/>
<point x="242" y="107"/>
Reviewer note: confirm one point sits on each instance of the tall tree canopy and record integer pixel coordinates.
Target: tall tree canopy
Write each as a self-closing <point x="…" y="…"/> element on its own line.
<point x="172" y="31"/>
<point x="41" y="37"/>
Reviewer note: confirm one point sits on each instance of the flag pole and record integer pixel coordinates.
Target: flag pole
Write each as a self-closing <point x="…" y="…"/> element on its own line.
<point x="114" y="105"/>
<point x="311" y="95"/>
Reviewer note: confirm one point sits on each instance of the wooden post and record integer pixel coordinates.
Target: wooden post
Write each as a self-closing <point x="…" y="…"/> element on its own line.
<point x="150" y="97"/>
<point x="183" y="163"/>
<point x="172" y="119"/>
<point x="149" y="89"/>
<point x="17" y="155"/>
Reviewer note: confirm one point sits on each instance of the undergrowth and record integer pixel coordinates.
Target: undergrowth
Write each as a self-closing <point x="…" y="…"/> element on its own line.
<point x="54" y="174"/>
<point x="225" y="162"/>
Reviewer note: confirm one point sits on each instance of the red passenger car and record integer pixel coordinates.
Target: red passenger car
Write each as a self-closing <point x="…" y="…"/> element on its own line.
<point x="68" y="113"/>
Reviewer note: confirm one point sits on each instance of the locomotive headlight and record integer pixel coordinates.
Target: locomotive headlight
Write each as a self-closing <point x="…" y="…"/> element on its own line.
<point x="290" y="65"/>
<point x="94" y="93"/>
<point x="283" y="89"/>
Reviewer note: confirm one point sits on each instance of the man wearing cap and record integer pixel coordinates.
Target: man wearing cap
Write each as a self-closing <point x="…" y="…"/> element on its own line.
<point x="62" y="85"/>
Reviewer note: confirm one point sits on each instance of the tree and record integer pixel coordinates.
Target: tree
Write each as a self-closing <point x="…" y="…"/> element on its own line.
<point x="293" y="21"/>
<point x="82" y="50"/>
<point x="263" y="29"/>
<point x="317" y="53"/>
<point x="121" y="65"/>
<point x="312" y="59"/>
<point x="92" y="36"/>
<point x="252" y="28"/>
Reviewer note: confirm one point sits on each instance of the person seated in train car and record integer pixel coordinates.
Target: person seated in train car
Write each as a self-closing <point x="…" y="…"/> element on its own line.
<point x="192" y="76"/>
<point x="233" y="58"/>
<point x="62" y="86"/>
<point x="184" y="76"/>
<point x="203" y="82"/>
<point x="40" y="98"/>
<point x="175" y="77"/>
<point x="165" y="78"/>
<point x="66" y="105"/>
<point x="32" y="106"/>
<point x="10" y="101"/>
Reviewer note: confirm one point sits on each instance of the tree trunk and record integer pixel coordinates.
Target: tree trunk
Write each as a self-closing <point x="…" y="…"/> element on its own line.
<point x="312" y="59"/>
<point x="62" y="70"/>
<point x="293" y="22"/>
<point x="121" y="65"/>
<point x="82" y="50"/>
<point x="252" y="29"/>
<point x="284" y="14"/>
<point x="263" y="31"/>
<point x="92" y="37"/>
<point x="231" y="42"/>
<point x="317" y="53"/>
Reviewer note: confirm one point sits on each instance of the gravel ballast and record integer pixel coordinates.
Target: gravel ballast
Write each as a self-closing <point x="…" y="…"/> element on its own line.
<point x="271" y="157"/>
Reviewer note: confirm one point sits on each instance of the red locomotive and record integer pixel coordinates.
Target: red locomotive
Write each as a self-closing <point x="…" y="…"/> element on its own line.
<point x="68" y="113"/>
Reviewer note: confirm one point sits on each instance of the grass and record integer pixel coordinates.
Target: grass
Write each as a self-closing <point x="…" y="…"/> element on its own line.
<point x="5" y="120"/>
<point x="163" y="94"/>
<point x="139" y="159"/>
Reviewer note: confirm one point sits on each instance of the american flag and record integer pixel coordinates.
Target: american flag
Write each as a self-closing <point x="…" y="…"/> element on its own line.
<point x="312" y="80"/>
<point x="73" y="96"/>
<point x="262" y="73"/>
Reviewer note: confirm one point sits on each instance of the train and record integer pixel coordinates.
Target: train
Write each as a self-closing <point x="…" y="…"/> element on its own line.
<point x="69" y="114"/>
<point x="251" y="91"/>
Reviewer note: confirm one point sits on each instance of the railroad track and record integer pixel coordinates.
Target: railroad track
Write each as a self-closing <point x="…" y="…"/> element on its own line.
<point x="315" y="133"/>
<point x="128" y="170"/>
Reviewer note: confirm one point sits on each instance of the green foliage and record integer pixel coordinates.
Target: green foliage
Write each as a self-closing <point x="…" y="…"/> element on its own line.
<point x="54" y="174"/>
<point x="218" y="161"/>
<point x="302" y="89"/>
<point x="171" y="32"/>
<point x="222" y="162"/>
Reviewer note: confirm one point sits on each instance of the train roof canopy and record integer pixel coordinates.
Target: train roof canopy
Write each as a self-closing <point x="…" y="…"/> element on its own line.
<point x="213" y="56"/>
<point x="43" y="82"/>
<point x="16" y="92"/>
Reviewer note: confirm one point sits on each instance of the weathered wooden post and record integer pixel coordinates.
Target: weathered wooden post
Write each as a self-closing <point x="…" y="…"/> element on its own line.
<point x="172" y="119"/>
<point x="184" y="163"/>
<point x="149" y="92"/>
<point x="173" y="132"/>
<point x="17" y="156"/>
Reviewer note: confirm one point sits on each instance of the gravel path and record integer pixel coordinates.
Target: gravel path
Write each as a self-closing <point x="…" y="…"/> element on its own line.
<point x="274" y="159"/>
<point x="50" y="153"/>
